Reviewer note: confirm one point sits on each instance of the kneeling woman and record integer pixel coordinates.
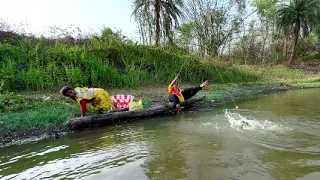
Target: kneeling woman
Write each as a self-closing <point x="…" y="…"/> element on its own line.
<point x="178" y="97"/>
<point x="98" y="98"/>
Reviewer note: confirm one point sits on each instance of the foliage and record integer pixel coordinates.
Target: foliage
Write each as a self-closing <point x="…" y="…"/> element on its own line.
<point x="9" y="101"/>
<point x="266" y="8"/>
<point x="156" y="16"/>
<point x="1" y="85"/>
<point x="105" y="61"/>
<point x="184" y="36"/>
<point x="212" y="24"/>
<point x="298" y="18"/>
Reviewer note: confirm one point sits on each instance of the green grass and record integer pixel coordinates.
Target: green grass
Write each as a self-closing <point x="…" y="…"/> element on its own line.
<point x="309" y="83"/>
<point x="40" y="116"/>
<point x="40" y="64"/>
<point x="271" y="73"/>
<point x="27" y="112"/>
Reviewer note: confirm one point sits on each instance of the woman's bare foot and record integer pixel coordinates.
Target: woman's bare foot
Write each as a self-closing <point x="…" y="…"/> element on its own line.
<point x="204" y="84"/>
<point x="179" y="107"/>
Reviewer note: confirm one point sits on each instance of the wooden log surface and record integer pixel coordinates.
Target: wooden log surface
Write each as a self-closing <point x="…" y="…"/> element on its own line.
<point x="107" y="118"/>
<point x="188" y="102"/>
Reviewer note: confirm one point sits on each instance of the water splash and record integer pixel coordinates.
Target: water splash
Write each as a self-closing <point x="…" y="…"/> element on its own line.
<point x="239" y="122"/>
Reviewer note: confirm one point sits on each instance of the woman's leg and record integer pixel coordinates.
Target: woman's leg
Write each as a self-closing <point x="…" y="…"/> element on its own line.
<point x="190" y="92"/>
<point x="174" y="98"/>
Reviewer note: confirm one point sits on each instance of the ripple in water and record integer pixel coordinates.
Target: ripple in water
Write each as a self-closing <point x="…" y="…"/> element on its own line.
<point x="78" y="165"/>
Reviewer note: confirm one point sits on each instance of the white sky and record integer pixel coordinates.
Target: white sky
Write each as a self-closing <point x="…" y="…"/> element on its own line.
<point x="88" y="15"/>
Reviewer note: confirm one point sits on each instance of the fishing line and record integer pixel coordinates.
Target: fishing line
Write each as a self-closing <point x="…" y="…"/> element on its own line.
<point x="235" y="106"/>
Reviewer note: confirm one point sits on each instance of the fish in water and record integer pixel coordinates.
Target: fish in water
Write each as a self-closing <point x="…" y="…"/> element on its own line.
<point x="56" y="136"/>
<point x="244" y="124"/>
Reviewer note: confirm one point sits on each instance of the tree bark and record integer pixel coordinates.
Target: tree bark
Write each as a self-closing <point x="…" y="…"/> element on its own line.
<point x="296" y="37"/>
<point x="264" y="44"/>
<point x="285" y="45"/>
<point x="294" y="50"/>
<point x="157" y="21"/>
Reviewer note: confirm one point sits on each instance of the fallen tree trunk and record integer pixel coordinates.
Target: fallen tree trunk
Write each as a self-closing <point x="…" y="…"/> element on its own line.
<point x="80" y="123"/>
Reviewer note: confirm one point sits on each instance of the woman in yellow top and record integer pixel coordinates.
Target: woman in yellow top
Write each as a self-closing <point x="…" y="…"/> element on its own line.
<point x="178" y="97"/>
<point x="98" y="98"/>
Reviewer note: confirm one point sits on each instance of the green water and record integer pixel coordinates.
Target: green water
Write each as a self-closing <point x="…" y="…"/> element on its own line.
<point x="273" y="137"/>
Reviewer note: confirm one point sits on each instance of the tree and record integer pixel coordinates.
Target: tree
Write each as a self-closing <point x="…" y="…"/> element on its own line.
<point x="298" y="18"/>
<point x="266" y="9"/>
<point x="214" y="23"/>
<point x="184" y="36"/>
<point x="154" y="15"/>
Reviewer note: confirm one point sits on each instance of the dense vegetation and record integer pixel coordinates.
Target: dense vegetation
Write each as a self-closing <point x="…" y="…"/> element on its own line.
<point x="40" y="63"/>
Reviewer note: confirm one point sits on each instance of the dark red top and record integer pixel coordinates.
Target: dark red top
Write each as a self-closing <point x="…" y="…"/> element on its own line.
<point x="83" y="105"/>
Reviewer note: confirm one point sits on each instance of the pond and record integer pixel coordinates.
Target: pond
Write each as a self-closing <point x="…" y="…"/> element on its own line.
<point x="276" y="136"/>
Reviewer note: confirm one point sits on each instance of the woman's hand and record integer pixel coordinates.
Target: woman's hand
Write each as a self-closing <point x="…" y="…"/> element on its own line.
<point x="175" y="79"/>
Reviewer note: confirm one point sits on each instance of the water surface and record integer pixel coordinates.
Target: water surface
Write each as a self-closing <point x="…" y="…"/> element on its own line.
<point x="276" y="136"/>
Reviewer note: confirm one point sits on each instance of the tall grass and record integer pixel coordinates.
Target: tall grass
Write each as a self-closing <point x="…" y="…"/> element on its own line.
<point x="41" y="64"/>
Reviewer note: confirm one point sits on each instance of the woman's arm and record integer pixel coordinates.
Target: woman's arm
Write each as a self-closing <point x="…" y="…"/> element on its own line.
<point x="83" y="107"/>
<point x="175" y="79"/>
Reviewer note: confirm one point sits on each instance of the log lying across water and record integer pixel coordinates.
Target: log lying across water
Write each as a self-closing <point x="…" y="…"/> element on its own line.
<point x="98" y="120"/>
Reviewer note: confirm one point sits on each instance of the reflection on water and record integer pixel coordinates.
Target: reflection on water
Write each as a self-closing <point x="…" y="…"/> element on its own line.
<point x="273" y="137"/>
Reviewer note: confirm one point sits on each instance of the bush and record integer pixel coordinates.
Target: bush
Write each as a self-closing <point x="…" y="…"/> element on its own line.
<point x="107" y="61"/>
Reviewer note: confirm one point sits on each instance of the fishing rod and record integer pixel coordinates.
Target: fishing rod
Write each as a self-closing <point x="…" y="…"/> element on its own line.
<point x="182" y="66"/>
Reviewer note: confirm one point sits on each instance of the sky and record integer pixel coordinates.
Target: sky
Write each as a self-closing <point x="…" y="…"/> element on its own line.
<point x="89" y="15"/>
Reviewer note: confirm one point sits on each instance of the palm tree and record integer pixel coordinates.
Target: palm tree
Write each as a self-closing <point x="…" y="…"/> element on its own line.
<point x="143" y="17"/>
<point x="298" y="18"/>
<point x="156" y="14"/>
